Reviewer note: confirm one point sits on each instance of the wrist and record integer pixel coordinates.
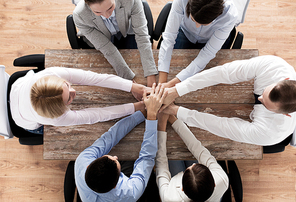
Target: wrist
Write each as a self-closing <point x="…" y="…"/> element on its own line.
<point x="151" y="115"/>
<point x="162" y="77"/>
<point x="173" y="82"/>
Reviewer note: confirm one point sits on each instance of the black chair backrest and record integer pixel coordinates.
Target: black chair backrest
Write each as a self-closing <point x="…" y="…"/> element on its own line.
<point x="15" y="129"/>
<point x="280" y="147"/>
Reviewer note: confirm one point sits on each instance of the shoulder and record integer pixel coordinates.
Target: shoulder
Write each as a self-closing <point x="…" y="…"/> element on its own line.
<point x="82" y="10"/>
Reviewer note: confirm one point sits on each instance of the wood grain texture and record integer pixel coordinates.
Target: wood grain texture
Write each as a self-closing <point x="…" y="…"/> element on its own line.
<point x="29" y="27"/>
<point x="222" y="100"/>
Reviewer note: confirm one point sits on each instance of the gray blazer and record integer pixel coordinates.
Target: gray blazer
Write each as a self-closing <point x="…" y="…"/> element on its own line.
<point x="94" y="29"/>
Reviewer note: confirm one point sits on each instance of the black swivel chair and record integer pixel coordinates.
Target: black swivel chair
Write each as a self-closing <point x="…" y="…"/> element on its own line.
<point x="78" y="42"/>
<point x="280" y="147"/>
<point x="69" y="184"/>
<point x="236" y="39"/>
<point x="25" y="137"/>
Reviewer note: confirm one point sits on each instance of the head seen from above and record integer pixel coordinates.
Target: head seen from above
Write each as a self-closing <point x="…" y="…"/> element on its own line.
<point x="280" y="97"/>
<point x="50" y="96"/>
<point x="203" y="12"/>
<point x="198" y="182"/>
<point x="101" y="7"/>
<point x="103" y="173"/>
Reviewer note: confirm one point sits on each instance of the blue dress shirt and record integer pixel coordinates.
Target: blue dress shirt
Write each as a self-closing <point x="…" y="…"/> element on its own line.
<point x="127" y="189"/>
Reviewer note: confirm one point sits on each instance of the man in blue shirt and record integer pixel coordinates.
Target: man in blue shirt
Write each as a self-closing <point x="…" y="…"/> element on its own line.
<point x="98" y="176"/>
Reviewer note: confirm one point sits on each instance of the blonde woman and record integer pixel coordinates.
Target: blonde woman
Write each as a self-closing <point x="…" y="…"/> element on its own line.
<point x="42" y="98"/>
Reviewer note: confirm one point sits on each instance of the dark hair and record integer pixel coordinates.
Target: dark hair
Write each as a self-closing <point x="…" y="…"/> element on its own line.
<point x="89" y="2"/>
<point x="102" y="175"/>
<point x="198" y="183"/>
<point x="284" y="93"/>
<point x="204" y="11"/>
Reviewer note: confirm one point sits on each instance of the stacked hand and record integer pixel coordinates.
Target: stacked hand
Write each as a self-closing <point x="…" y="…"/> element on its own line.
<point x="154" y="101"/>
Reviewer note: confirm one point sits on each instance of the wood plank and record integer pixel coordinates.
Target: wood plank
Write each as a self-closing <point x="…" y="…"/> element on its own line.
<point x="72" y="140"/>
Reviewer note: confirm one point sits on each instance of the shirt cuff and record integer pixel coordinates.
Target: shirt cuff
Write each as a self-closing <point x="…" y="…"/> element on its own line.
<point x="181" y="89"/>
<point x="182" y="113"/>
<point x="151" y="125"/>
<point x="139" y="117"/>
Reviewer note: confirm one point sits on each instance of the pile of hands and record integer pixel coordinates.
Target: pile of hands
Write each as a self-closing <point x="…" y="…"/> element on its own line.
<point x="157" y="99"/>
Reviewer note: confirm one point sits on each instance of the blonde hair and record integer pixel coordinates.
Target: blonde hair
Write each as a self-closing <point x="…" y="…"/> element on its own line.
<point x="46" y="97"/>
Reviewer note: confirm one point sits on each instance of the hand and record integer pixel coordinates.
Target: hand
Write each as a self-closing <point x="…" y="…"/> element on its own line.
<point x="172" y="94"/>
<point x="138" y="90"/>
<point x="154" y="101"/>
<point x="172" y="109"/>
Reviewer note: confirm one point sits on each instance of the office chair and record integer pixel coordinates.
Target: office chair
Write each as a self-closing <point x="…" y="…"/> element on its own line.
<point x="25" y="137"/>
<point x="280" y="147"/>
<point x="69" y="184"/>
<point x="235" y="182"/>
<point x="78" y="42"/>
<point x="236" y="38"/>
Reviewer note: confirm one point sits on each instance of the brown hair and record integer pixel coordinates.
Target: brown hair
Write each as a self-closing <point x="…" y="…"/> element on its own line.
<point x="46" y="97"/>
<point x="89" y="2"/>
<point x="284" y="93"/>
<point x="204" y="11"/>
<point x="198" y="183"/>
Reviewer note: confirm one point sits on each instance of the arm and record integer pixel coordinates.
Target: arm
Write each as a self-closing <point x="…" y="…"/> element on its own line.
<point x="266" y="128"/>
<point x="208" y="52"/>
<point x="202" y="155"/>
<point x="169" y="36"/>
<point x="84" y="22"/>
<point x="163" y="175"/>
<point x="81" y="77"/>
<point x="139" y="24"/>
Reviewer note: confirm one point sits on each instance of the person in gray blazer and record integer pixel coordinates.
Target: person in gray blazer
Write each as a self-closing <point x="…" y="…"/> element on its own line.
<point x="105" y="22"/>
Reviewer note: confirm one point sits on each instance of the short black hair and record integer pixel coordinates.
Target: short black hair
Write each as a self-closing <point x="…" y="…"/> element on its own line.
<point x="204" y="11"/>
<point x="102" y="174"/>
<point x="198" y="183"/>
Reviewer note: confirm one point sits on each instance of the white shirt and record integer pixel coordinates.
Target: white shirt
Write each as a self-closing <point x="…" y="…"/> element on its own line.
<point x="170" y="189"/>
<point x="26" y="117"/>
<point x="214" y="35"/>
<point x="266" y="127"/>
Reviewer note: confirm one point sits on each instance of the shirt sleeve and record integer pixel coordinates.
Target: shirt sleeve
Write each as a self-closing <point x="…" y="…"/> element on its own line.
<point x="139" y="25"/>
<point x="81" y="77"/>
<point x="267" y="128"/>
<point x="145" y="163"/>
<point x="108" y="140"/>
<point x="163" y="175"/>
<point x="207" y="53"/>
<point x="229" y="73"/>
<point x="100" y="41"/>
<point x="202" y="155"/>
<point x="94" y="115"/>
<point x="169" y="36"/>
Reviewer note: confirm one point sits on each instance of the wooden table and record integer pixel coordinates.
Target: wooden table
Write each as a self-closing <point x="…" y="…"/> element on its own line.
<point x="223" y="100"/>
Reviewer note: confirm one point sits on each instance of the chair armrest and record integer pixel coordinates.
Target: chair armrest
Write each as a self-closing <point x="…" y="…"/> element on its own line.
<point x="238" y="42"/>
<point x="34" y="60"/>
<point x="33" y="140"/>
<point x="235" y="181"/>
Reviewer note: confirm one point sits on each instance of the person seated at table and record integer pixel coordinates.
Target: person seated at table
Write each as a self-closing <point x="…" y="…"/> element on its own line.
<point x="99" y="176"/>
<point x="200" y="180"/>
<point x="43" y="98"/>
<point x="110" y="24"/>
<point x="273" y="118"/>
<point x="195" y="24"/>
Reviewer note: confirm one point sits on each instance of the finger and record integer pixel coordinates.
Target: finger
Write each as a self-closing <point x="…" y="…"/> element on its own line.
<point x="157" y="88"/>
<point x="153" y="89"/>
<point x="162" y="108"/>
<point x="145" y="95"/>
<point x="160" y="93"/>
<point x="163" y="96"/>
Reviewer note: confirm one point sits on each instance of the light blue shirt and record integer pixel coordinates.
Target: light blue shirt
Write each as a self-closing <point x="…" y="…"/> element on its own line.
<point x="214" y="35"/>
<point x="111" y="23"/>
<point x="127" y="189"/>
